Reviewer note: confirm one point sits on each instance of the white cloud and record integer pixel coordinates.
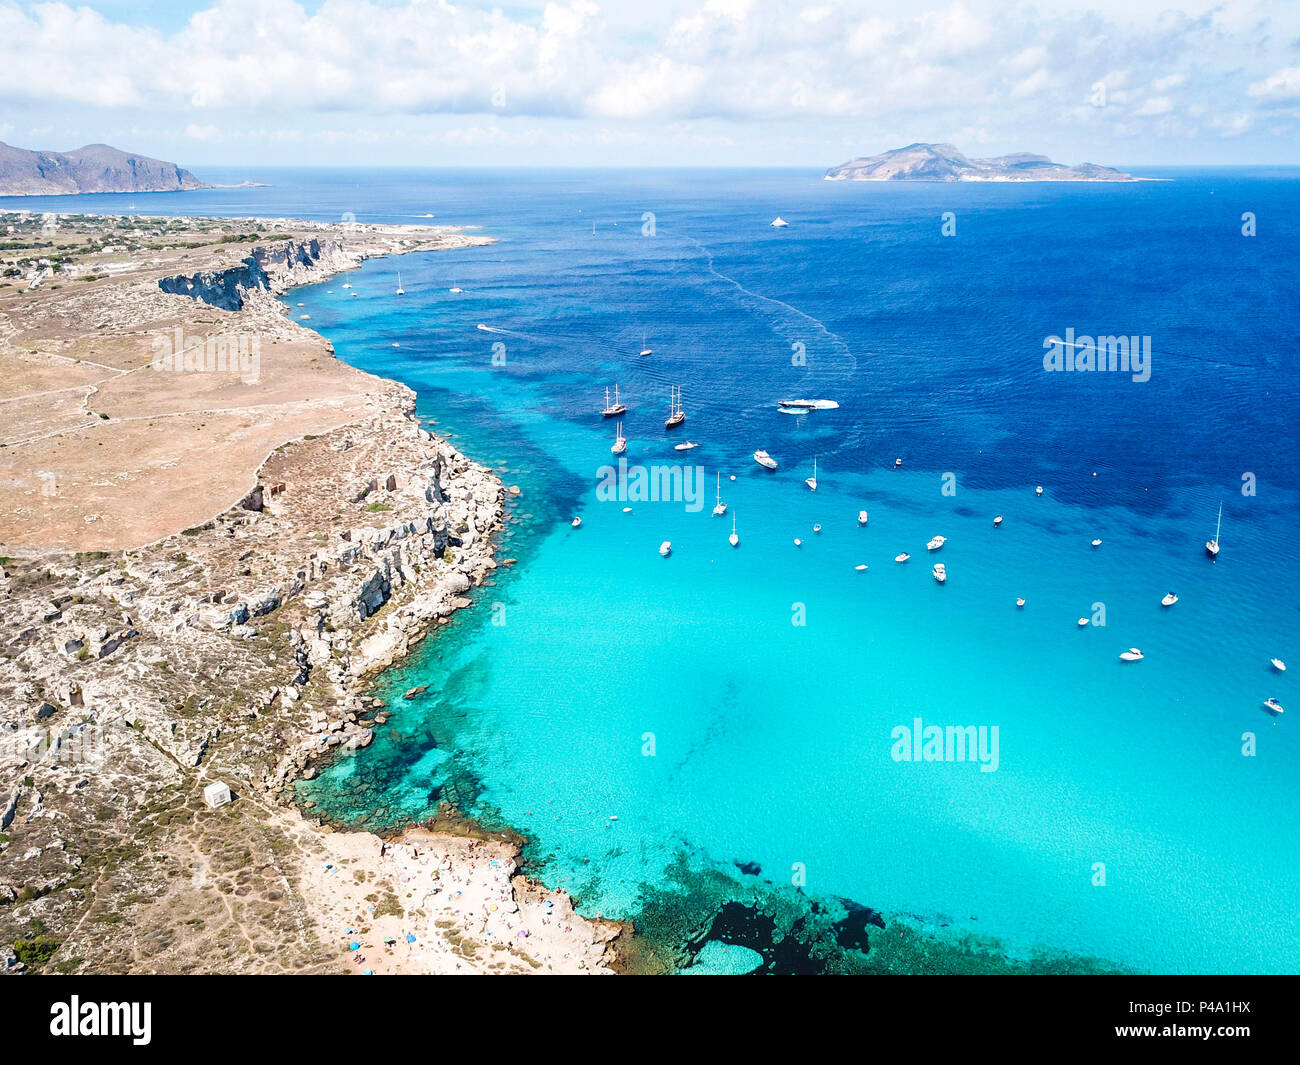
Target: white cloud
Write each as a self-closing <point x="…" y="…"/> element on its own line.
<point x="1156" y="105"/>
<point x="1281" y="87"/>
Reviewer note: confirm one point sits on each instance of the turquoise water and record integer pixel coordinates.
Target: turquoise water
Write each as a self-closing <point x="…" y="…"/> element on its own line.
<point x="772" y="740"/>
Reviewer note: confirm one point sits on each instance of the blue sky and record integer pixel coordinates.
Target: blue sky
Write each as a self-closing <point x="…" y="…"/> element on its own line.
<point x="678" y="82"/>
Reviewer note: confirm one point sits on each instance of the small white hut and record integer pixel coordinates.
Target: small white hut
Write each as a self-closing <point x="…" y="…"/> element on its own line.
<point x="216" y="794"/>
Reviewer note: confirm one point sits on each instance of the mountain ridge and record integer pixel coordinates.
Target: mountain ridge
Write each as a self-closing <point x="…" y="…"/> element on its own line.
<point x="921" y="161"/>
<point x="92" y="168"/>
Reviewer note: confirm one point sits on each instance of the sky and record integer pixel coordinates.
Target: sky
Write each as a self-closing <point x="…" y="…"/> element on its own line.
<point x="653" y="82"/>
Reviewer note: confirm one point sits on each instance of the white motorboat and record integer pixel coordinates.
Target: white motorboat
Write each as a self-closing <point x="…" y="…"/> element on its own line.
<point x="898" y="464"/>
<point x="811" y="482"/>
<point x="902" y="558"/>
<point x="1083" y="623"/>
<point x="612" y="410"/>
<point x="733" y="539"/>
<point x="939" y="572"/>
<point x="1273" y="705"/>
<point x="1277" y="664"/>
<point x="576" y="523"/>
<point x="861" y="569"/>
<point x="1212" y="546"/>
<point x="719" y="508"/>
<point x="676" y="415"/>
<point x="765" y="460"/>
<point x="1169" y="600"/>
<point x="666" y="548"/>
<point x="798" y="542"/>
<point x="1131" y="655"/>
<point x="620" y="441"/>
<point x="1096" y="543"/>
<point x="997" y="521"/>
<point x="686" y="445"/>
<point x="862" y="517"/>
<point x="1038" y="491"/>
<point x="809" y="404"/>
<point x="817" y="528"/>
<point x="1020" y="602"/>
<point x="936" y="543"/>
<point x="347" y="284"/>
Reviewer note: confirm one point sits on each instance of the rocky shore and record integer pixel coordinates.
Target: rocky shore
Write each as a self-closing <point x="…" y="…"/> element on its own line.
<point x="237" y="650"/>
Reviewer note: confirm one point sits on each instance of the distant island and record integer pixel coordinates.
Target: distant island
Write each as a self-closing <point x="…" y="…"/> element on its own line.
<point x="943" y="162"/>
<point x="94" y="168"/>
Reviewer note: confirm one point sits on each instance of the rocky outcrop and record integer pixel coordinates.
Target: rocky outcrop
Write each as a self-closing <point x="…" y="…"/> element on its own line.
<point x="943" y="162"/>
<point x="94" y="168"/>
<point x="272" y="269"/>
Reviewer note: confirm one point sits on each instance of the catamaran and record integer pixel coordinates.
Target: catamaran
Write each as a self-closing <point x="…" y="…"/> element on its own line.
<point x="811" y="482"/>
<point x="613" y="410"/>
<point x="620" y="441"/>
<point x="1212" y="546"/>
<point x="765" y="460"/>
<point x="676" y="416"/>
<point x="733" y="539"/>
<point x="719" y="508"/>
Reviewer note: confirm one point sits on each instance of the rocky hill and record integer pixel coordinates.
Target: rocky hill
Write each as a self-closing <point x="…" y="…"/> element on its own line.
<point x="94" y="168"/>
<point x="943" y="162"/>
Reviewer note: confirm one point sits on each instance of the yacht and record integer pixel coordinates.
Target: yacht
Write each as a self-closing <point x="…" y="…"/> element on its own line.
<point x="1277" y="664"/>
<point x="902" y="558"/>
<point x="644" y="350"/>
<point x="862" y="568"/>
<point x="620" y="441"/>
<point x="400" y="291"/>
<point x="1096" y="543"/>
<point x="675" y="416"/>
<point x="576" y="523"/>
<point x="719" y="507"/>
<point x="612" y="410"/>
<point x="1083" y="623"/>
<point x="817" y="528"/>
<point x="1038" y="491"/>
<point x="798" y="542"/>
<point x="1020" y="602"/>
<point x="1132" y="655"/>
<point x="347" y="284"/>
<point x="898" y="464"/>
<point x="733" y="539"/>
<point x="1169" y="600"/>
<point x="936" y="543"/>
<point x="939" y="572"/>
<point x="997" y="521"/>
<point x="666" y="548"/>
<point x="686" y="445"/>
<point x="765" y="460"/>
<point x="811" y="482"/>
<point x="779" y="223"/>
<point x="1273" y="705"/>
<point x="1212" y="546"/>
<point x="809" y="404"/>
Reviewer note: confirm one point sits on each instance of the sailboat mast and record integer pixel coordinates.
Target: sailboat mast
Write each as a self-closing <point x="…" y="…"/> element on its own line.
<point x="1219" y="524"/>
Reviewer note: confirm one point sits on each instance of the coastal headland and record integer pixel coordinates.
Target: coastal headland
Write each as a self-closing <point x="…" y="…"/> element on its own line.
<point x="215" y="534"/>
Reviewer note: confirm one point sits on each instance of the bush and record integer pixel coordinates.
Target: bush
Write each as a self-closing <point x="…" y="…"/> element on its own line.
<point x="35" y="952"/>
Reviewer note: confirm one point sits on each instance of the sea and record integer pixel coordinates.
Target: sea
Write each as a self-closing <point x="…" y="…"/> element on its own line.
<point x="762" y="715"/>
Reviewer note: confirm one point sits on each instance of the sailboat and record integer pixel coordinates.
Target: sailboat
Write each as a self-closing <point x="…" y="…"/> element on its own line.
<point x="612" y="410"/>
<point x="454" y="287"/>
<point x="400" y="291"/>
<point x="676" y="416"/>
<point x="719" y="508"/>
<point x="620" y="441"/>
<point x="733" y="539"/>
<point x="811" y="482"/>
<point x="1212" y="546"/>
<point x="645" y="350"/>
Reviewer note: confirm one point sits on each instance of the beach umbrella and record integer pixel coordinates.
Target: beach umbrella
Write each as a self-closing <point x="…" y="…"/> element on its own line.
<point x="389" y="939"/>
<point x="410" y="938"/>
<point x="354" y="945"/>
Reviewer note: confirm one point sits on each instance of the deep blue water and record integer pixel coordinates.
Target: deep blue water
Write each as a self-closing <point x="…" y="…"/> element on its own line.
<point x="772" y="739"/>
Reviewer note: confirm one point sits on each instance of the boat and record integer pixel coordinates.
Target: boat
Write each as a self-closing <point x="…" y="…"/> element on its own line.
<point x="1096" y="543"/>
<point x="612" y="410"/>
<point x="939" y="572"/>
<point x="765" y="460"/>
<point x="902" y="558"/>
<point x="1277" y="664"/>
<point x="733" y="539"/>
<point x="811" y="482"/>
<point x="666" y="548"/>
<point x="1020" y="602"/>
<point x="862" y="568"/>
<point x="898" y="464"/>
<point x="1131" y="655"/>
<point x="817" y="528"/>
<point x="455" y="288"/>
<point x="862" y="517"/>
<point x="400" y="291"/>
<point x="719" y="508"/>
<point x="485" y="328"/>
<point x="675" y="416"/>
<point x="644" y="350"/>
<point x="809" y="404"/>
<point x="685" y="446"/>
<point x="798" y="542"/>
<point x="997" y="521"/>
<point x="1212" y="546"/>
<point x="576" y="523"/>
<point x="1273" y="705"/>
<point x="778" y="222"/>
<point x="347" y="284"/>
<point x="936" y="543"/>
<point x="1083" y="623"/>
<point x="620" y="441"/>
<point x="1038" y="491"/>
<point x="1169" y="600"/>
